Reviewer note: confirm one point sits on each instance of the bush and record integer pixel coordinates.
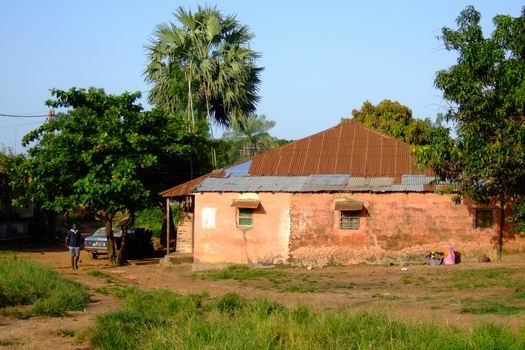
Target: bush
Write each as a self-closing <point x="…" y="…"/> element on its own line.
<point x="44" y="291"/>
<point x="150" y="219"/>
<point x="159" y="319"/>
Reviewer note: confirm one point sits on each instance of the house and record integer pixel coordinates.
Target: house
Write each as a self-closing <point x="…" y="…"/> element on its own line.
<point x="343" y="196"/>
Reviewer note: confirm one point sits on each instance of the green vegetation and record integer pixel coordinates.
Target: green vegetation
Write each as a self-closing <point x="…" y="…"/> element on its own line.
<point x="484" y="90"/>
<point x="485" y="278"/>
<point x="495" y="308"/>
<point x="278" y="279"/>
<point x="394" y="119"/>
<point x="10" y="342"/>
<point x="27" y="288"/>
<point x="99" y="274"/>
<point x="121" y="154"/>
<point x="203" y="65"/>
<point x="151" y="219"/>
<point x="159" y="319"/>
<point x="242" y="273"/>
<point x="249" y="136"/>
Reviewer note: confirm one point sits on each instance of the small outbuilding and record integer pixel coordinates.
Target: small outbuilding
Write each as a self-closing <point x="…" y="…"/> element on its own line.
<point x="343" y="196"/>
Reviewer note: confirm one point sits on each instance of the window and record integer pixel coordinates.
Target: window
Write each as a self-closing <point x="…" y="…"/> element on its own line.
<point x="483" y="218"/>
<point x="245" y="217"/>
<point x="349" y="219"/>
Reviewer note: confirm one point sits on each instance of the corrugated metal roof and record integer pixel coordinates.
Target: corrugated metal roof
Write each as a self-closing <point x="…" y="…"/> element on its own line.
<point x="314" y="183"/>
<point x="317" y="183"/>
<point x="240" y="169"/>
<point x="253" y="184"/>
<point x="417" y="179"/>
<point x="349" y="148"/>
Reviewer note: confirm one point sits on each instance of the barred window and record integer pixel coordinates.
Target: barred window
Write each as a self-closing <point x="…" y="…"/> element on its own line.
<point x="245" y="217"/>
<point x="483" y="218"/>
<point x="349" y="219"/>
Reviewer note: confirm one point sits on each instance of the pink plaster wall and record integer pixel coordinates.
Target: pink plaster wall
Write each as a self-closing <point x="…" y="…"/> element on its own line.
<point x="394" y="226"/>
<point x="266" y="242"/>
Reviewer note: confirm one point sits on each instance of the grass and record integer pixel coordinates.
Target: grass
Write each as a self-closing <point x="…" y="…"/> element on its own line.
<point x="99" y="274"/>
<point x="9" y="342"/>
<point x="243" y="273"/>
<point x="496" y="309"/>
<point x="486" y="278"/>
<point x="160" y="319"/>
<point x="278" y="279"/>
<point x="28" y="288"/>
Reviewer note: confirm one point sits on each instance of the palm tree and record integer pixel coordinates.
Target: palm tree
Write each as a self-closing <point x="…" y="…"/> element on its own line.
<point x="251" y="133"/>
<point x="210" y="54"/>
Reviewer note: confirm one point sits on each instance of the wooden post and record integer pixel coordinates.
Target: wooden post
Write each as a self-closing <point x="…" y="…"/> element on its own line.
<point x="167" y="226"/>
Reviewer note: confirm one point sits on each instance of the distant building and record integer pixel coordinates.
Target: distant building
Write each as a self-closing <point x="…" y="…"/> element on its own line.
<point x="343" y="196"/>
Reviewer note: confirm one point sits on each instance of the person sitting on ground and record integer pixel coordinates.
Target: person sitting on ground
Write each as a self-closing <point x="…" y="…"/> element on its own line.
<point x="73" y="238"/>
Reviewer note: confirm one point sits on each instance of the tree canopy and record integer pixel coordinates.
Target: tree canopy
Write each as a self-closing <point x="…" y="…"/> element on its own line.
<point x="486" y="93"/>
<point x="102" y="154"/>
<point x="203" y="63"/>
<point x="250" y="135"/>
<point x="394" y="119"/>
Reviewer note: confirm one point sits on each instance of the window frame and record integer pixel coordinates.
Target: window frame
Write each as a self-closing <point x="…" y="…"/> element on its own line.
<point x="248" y="214"/>
<point x="353" y="217"/>
<point x="479" y="220"/>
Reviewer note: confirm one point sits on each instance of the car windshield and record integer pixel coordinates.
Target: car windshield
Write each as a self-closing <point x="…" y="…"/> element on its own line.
<point x="102" y="232"/>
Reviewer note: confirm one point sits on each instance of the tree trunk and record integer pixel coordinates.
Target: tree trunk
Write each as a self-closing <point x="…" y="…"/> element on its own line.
<point x="111" y="241"/>
<point x="501" y="225"/>
<point x="123" y="252"/>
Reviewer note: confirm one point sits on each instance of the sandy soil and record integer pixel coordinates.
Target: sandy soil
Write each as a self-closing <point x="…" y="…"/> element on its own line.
<point x="407" y="295"/>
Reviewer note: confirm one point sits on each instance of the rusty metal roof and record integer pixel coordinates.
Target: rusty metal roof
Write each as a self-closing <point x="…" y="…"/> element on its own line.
<point x="348" y="148"/>
<point x="188" y="187"/>
<point x="370" y="161"/>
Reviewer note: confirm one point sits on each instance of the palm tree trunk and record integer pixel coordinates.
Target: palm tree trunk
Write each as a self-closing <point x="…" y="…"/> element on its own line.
<point x="190" y="99"/>
<point x="208" y="117"/>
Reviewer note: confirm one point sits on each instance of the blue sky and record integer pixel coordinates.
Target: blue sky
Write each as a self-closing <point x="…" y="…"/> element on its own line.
<point x="321" y="58"/>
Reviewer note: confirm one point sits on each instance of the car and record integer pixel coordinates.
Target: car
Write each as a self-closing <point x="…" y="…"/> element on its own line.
<point x="138" y="242"/>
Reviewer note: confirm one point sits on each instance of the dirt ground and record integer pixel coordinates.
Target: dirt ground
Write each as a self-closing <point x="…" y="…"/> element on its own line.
<point x="420" y="294"/>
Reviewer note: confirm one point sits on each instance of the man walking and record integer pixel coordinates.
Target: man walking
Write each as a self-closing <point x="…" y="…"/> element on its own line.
<point x="73" y="243"/>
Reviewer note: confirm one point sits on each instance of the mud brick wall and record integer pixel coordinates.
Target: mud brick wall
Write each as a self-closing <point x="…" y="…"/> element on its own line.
<point x="219" y="240"/>
<point x="184" y="233"/>
<point x="394" y="227"/>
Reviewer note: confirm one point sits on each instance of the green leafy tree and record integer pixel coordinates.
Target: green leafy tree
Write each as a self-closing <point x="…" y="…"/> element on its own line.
<point x="100" y="155"/>
<point x="394" y="119"/>
<point x="486" y="92"/>
<point x="250" y="135"/>
<point x="209" y="55"/>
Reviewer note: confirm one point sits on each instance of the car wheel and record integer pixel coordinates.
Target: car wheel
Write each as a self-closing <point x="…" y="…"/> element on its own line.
<point x="94" y="255"/>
